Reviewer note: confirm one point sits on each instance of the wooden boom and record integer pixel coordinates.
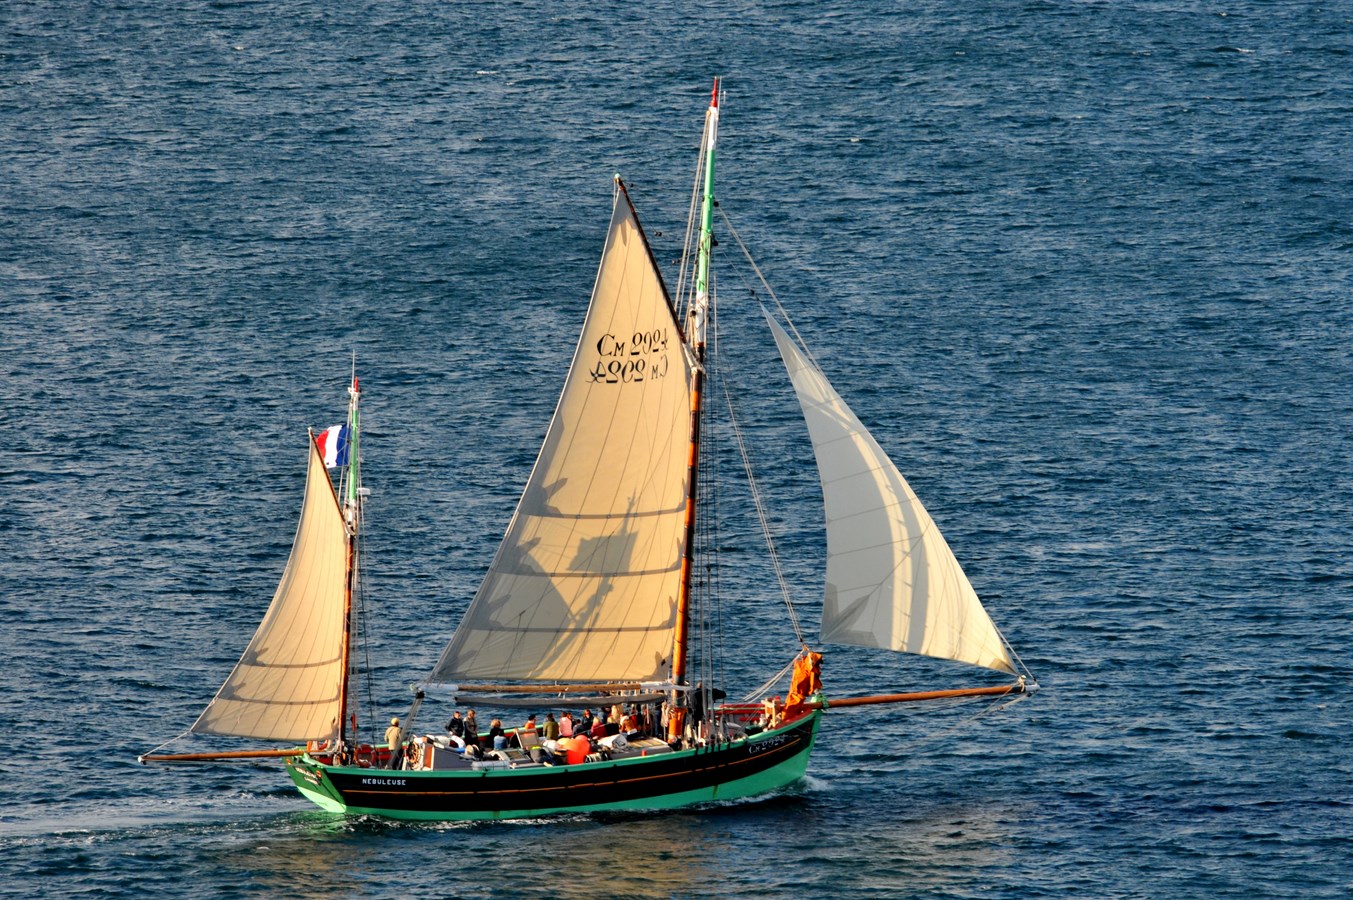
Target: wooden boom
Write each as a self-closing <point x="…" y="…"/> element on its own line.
<point x="549" y="688"/>
<point x="217" y="757"/>
<point x="1018" y="687"/>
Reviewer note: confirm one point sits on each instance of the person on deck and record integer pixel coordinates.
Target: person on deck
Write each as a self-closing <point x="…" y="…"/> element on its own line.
<point x="524" y="736"/>
<point x="565" y="724"/>
<point x="456" y="727"/>
<point x="551" y="728"/>
<point x="497" y="739"/>
<point x="598" y="728"/>
<point x="394" y="736"/>
<point x="471" y="729"/>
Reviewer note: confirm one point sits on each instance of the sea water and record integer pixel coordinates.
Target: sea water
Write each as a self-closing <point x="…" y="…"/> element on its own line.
<point x="1083" y="267"/>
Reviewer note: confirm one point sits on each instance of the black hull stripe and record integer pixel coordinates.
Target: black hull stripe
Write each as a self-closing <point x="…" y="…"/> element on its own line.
<point x="572" y="786"/>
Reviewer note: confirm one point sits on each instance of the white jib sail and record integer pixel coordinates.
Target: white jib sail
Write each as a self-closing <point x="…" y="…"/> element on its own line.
<point x="286" y="685"/>
<point x="892" y="581"/>
<point x="584" y="585"/>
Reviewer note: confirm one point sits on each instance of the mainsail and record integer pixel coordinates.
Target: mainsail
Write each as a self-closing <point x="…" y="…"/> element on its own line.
<point x="288" y="684"/>
<point x="892" y="581"/>
<point x="584" y="585"/>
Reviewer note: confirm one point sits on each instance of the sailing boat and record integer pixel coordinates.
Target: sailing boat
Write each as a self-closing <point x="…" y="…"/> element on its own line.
<point x="589" y="600"/>
<point x="592" y="599"/>
<point x="293" y="682"/>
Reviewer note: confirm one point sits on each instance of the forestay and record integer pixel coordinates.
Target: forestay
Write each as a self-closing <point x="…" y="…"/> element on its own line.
<point x="287" y="685"/>
<point x="892" y="581"/>
<point x="584" y="585"/>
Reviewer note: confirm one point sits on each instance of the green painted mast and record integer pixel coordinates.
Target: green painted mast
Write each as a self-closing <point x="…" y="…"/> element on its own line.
<point x="697" y="316"/>
<point x="352" y="515"/>
<point x="706" y="243"/>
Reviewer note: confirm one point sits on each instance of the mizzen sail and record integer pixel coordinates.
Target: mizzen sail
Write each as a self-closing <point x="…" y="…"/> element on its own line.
<point x="892" y="581"/>
<point x="584" y="585"/>
<point x="288" y="684"/>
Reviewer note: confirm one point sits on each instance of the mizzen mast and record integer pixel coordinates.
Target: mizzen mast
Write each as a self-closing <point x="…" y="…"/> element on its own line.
<point x="352" y="517"/>
<point x="292" y="681"/>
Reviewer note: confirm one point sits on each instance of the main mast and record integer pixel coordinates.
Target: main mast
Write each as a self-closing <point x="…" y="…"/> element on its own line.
<point x="697" y="317"/>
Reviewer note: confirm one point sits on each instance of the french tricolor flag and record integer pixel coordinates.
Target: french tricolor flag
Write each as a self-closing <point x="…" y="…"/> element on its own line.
<point x="333" y="445"/>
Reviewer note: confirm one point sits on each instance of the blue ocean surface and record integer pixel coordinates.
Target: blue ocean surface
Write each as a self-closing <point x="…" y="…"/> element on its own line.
<point x="1085" y="268"/>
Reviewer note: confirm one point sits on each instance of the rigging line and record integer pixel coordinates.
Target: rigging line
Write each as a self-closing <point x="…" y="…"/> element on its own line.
<point x="715" y="569"/>
<point x="708" y="476"/>
<point x="1015" y="655"/>
<point x="165" y="744"/>
<point x="686" y="265"/>
<point x="770" y="683"/>
<point x="364" y="626"/>
<point x="761" y="514"/>
<point x="709" y="480"/>
<point x="784" y="314"/>
<point x="995" y="705"/>
<point x="706" y="594"/>
<point x="363" y="621"/>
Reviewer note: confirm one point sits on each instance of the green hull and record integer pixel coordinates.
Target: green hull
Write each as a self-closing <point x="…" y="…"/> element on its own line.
<point x="750" y="767"/>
